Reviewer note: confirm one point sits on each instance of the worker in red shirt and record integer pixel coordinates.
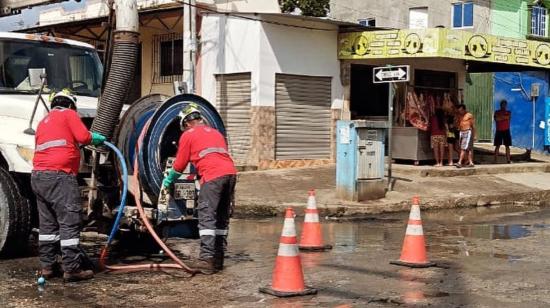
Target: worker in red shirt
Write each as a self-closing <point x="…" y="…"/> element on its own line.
<point x="55" y="166"/>
<point x="206" y="149"/>
<point x="502" y="135"/>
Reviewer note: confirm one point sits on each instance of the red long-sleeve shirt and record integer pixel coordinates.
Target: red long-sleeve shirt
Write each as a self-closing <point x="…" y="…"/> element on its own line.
<point x="57" y="141"/>
<point x="206" y="149"/>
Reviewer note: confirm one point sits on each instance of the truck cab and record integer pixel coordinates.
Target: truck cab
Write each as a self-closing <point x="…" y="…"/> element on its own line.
<point x="64" y="64"/>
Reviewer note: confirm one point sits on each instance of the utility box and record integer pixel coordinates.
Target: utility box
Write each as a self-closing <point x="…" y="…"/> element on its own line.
<point x="360" y="160"/>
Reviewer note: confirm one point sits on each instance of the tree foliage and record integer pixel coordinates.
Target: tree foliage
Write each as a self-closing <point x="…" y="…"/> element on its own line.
<point x="317" y="8"/>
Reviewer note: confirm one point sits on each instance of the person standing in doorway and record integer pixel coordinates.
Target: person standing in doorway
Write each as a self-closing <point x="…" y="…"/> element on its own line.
<point x="438" y="134"/>
<point x="467" y="136"/>
<point x="502" y="135"/>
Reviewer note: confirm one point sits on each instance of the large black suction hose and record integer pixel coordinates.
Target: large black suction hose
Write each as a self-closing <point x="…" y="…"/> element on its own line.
<point x="122" y="69"/>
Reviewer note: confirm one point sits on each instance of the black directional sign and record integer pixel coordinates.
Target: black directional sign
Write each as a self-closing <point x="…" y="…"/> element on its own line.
<point x="390" y="74"/>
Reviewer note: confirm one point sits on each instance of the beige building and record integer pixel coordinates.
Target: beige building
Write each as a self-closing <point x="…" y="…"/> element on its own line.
<point x="274" y="78"/>
<point x="161" y="35"/>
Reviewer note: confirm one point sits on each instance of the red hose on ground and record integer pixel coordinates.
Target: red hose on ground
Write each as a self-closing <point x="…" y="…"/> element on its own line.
<point x="152" y="266"/>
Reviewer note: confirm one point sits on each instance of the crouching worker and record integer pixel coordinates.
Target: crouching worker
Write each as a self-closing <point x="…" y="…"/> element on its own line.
<point x="206" y="149"/>
<point x="55" y="166"/>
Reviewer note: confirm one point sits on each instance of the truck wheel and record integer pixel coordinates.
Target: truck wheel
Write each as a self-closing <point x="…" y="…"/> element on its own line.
<point x="15" y="217"/>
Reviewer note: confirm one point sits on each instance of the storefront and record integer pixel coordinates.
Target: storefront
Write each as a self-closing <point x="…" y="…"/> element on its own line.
<point x="440" y="61"/>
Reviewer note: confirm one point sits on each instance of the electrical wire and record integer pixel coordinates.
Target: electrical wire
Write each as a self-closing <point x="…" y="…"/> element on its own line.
<point x="255" y="19"/>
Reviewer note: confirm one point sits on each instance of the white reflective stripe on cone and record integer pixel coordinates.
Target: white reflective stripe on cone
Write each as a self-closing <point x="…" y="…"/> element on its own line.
<point x="414" y="230"/>
<point x="222" y="231"/>
<point x="288" y="250"/>
<point x="210" y="232"/>
<point x="310" y="217"/>
<point x="70" y="242"/>
<point x="48" y="237"/>
<point x="415" y="213"/>
<point x="288" y="228"/>
<point x="311" y="203"/>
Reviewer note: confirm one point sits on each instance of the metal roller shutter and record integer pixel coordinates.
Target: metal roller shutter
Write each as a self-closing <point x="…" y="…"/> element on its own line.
<point x="233" y="101"/>
<point x="303" y="117"/>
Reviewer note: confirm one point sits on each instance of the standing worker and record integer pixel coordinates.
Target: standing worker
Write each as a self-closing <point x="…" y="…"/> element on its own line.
<point x="55" y="167"/>
<point x="502" y="135"/>
<point x="206" y="149"/>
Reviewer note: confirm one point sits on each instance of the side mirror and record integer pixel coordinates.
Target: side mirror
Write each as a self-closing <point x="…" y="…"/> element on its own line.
<point x="35" y="77"/>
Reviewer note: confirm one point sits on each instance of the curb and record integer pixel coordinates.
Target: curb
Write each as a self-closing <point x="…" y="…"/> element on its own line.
<point x="539" y="198"/>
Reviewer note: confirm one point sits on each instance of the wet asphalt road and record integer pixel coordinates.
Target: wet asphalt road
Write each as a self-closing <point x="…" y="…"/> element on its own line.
<point x="489" y="257"/>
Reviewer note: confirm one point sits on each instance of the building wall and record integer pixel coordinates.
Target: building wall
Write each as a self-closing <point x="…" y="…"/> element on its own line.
<point x="234" y="45"/>
<point x="98" y="8"/>
<point x="509" y="18"/>
<point x="229" y="45"/>
<point x="520" y="105"/>
<point x="146" y="38"/>
<point x="301" y="52"/>
<point x="395" y="13"/>
<point x="505" y="12"/>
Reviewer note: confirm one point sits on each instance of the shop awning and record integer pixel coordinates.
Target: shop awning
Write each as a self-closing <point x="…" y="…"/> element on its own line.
<point x="481" y="52"/>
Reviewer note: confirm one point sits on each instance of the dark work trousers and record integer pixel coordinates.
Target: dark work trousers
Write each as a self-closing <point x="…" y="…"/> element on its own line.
<point x="59" y="212"/>
<point x="215" y="200"/>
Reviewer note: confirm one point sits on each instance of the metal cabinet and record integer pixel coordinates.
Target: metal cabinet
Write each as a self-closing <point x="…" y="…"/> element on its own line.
<point x="360" y="160"/>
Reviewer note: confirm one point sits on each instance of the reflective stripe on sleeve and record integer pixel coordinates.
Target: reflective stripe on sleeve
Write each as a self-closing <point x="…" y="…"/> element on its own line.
<point x="48" y="237"/>
<point x="222" y="231"/>
<point x="51" y="144"/>
<point x="207" y="151"/>
<point x="207" y="232"/>
<point x="70" y="242"/>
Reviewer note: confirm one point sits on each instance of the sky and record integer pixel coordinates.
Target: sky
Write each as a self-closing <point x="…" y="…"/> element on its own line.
<point x="29" y="17"/>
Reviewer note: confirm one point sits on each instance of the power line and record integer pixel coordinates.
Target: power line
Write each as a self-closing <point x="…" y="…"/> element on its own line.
<point x="255" y="19"/>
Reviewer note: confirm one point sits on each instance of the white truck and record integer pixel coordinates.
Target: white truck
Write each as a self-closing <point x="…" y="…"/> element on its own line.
<point x="66" y="64"/>
<point x="33" y="66"/>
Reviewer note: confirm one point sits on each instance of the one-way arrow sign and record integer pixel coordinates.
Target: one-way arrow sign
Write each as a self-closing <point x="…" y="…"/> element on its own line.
<point x="390" y="74"/>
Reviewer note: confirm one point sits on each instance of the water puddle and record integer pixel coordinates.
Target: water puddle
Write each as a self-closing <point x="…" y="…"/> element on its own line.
<point x="492" y="232"/>
<point x="461" y="249"/>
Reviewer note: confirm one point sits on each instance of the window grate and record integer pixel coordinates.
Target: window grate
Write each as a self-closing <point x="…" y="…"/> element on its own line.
<point x="168" y="58"/>
<point x="538" y="20"/>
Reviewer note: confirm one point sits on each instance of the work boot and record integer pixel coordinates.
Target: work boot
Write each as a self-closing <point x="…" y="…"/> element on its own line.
<point x="78" y="275"/>
<point x="218" y="263"/>
<point x="205" y="266"/>
<point x="50" y="272"/>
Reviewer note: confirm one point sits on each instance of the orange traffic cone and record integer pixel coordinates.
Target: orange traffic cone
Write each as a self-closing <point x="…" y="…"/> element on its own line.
<point x="312" y="236"/>
<point x="414" y="246"/>
<point x="288" y="278"/>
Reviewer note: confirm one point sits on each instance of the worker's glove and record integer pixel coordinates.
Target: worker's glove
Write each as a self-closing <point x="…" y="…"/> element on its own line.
<point x="170" y="178"/>
<point x="97" y="139"/>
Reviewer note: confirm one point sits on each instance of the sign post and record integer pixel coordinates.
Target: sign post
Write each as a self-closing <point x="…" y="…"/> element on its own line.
<point x="535" y="89"/>
<point x="390" y="74"/>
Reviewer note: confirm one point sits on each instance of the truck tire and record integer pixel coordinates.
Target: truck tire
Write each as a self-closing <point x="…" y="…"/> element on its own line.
<point x="15" y="217"/>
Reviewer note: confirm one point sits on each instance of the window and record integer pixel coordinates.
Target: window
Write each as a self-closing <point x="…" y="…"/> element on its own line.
<point x="367" y="22"/>
<point x="463" y="14"/>
<point x="78" y="69"/>
<point x="538" y="20"/>
<point x="418" y="18"/>
<point x="168" y="58"/>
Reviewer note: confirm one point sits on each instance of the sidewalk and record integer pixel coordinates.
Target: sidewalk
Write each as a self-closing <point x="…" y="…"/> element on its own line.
<point x="266" y="193"/>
